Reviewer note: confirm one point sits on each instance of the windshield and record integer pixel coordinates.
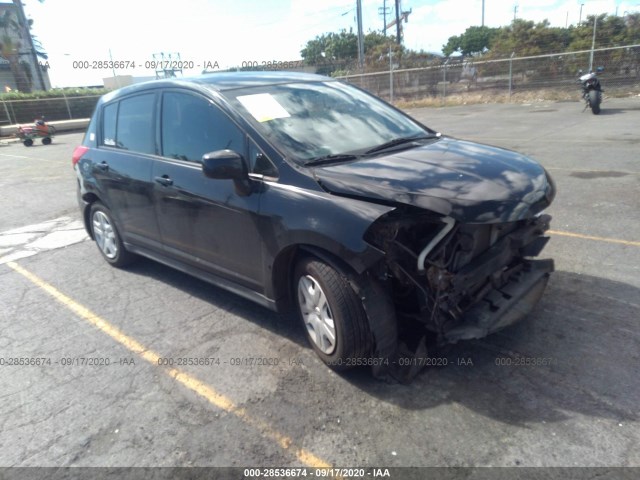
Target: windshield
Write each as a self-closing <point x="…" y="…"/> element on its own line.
<point x="315" y="120"/>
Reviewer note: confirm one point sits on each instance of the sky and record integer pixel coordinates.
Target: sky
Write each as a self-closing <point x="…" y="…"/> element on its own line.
<point x="230" y="33"/>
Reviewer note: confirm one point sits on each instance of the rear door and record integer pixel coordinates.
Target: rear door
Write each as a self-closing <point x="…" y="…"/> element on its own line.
<point x="122" y="166"/>
<point x="211" y="224"/>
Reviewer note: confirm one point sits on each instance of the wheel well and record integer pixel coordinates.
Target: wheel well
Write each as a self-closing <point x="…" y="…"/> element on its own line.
<point x="90" y="199"/>
<point x="284" y="265"/>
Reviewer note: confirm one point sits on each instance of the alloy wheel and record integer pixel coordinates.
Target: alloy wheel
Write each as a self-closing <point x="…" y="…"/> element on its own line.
<point x="105" y="235"/>
<point x="316" y="314"/>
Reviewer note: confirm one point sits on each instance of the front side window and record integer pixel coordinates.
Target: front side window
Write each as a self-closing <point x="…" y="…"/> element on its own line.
<point x="128" y="124"/>
<point x="193" y="126"/>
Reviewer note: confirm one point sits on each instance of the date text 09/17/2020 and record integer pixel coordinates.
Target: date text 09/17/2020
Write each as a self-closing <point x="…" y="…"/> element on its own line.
<point x="183" y="64"/>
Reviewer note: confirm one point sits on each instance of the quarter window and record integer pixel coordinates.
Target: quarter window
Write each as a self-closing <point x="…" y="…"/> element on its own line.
<point x="192" y="126"/>
<point x="109" y="118"/>
<point x="260" y="163"/>
<point x="128" y="124"/>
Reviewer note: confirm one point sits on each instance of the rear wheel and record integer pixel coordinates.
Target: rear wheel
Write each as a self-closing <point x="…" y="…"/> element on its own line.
<point x="107" y="237"/>
<point x="332" y="314"/>
<point x="594" y="100"/>
<point x="46" y="141"/>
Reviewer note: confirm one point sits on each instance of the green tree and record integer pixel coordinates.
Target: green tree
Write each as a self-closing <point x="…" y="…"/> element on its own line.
<point x="331" y="47"/>
<point x="339" y="50"/>
<point x="474" y="40"/>
<point x="10" y="46"/>
<point x="526" y="38"/>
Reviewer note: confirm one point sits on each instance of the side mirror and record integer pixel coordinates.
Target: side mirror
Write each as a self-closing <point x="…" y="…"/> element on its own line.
<point x="600" y="69"/>
<point x="224" y="165"/>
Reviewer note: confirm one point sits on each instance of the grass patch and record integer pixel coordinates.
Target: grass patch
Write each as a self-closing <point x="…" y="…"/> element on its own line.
<point x="486" y="97"/>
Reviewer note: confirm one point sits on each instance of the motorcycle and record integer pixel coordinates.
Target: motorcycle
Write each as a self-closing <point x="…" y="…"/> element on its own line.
<point x="591" y="90"/>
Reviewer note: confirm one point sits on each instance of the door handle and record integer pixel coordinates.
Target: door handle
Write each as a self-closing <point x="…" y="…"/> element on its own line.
<point x="104" y="166"/>
<point x="164" y="180"/>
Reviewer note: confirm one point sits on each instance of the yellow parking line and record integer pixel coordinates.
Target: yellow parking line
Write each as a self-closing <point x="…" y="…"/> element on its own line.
<point x="190" y="382"/>
<point x="591" y="237"/>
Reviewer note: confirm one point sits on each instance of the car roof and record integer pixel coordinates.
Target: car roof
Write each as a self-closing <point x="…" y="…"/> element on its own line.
<point x="221" y="81"/>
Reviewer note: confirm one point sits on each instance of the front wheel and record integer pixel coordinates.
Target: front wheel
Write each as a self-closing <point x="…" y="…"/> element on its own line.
<point x="595" y="98"/>
<point x="107" y="237"/>
<point x="332" y="314"/>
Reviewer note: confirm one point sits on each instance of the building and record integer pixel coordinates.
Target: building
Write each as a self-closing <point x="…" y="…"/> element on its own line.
<point x="119" y="81"/>
<point x="20" y="67"/>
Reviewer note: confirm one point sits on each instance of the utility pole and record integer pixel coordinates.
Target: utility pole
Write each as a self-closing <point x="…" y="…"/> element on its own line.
<point x="515" y="12"/>
<point x="483" y="13"/>
<point x="398" y="36"/>
<point x="383" y="11"/>
<point x="580" y="17"/>
<point x="400" y="16"/>
<point x="593" y="42"/>
<point x="360" y="35"/>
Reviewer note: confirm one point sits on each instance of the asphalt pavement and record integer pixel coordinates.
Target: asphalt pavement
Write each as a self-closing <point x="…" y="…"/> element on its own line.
<point x="149" y="367"/>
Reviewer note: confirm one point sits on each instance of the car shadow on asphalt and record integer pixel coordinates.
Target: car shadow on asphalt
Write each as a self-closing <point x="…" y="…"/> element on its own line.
<point x="576" y="353"/>
<point x="286" y="324"/>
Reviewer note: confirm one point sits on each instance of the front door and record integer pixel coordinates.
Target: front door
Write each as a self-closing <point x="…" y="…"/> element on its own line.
<point x="205" y="222"/>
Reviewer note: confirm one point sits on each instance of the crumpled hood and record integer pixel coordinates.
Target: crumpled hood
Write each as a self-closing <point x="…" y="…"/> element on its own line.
<point x="469" y="182"/>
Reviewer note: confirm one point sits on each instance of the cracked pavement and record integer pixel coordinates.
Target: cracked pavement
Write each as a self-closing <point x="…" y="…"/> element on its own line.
<point x="23" y="242"/>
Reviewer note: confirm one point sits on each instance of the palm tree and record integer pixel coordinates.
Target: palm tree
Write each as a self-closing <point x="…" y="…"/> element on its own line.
<point x="16" y="35"/>
<point x="10" y="46"/>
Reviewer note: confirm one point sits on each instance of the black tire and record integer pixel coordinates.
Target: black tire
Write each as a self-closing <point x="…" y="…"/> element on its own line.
<point x="594" y="100"/>
<point x="352" y="341"/>
<point x="107" y="237"/>
<point x="28" y="142"/>
<point x="46" y="141"/>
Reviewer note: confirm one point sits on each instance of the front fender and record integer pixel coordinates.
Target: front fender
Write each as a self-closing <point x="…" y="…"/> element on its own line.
<point x="318" y="219"/>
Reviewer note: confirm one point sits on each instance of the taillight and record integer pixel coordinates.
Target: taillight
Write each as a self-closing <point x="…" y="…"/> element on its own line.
<point x="78" y="153"/>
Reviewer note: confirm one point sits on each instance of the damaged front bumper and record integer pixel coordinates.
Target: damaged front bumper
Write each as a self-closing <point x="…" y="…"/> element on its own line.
<point x="472" y="280"/>
<point x="484" y="290"/>
<point x="504" y="306"/>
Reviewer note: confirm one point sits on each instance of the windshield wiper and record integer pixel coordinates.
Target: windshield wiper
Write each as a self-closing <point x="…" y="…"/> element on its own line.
<point x="399" y="141"/>
<point x="340" y="157"/>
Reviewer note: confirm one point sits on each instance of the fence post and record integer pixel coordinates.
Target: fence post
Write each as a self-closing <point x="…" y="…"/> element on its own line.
<point x="444" y="80"/>
<point x="390" y="76"/>
<point x="67" y="103"/>
<point x="15" y="117"/>
<point x="511" y="75"/>
<point x="7" y="112"/>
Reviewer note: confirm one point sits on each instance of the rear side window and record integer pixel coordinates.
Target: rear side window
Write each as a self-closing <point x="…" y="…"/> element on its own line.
<point x="128" y="124"/>
<point x="109" y="118"/>
<point x="192" y="126"/>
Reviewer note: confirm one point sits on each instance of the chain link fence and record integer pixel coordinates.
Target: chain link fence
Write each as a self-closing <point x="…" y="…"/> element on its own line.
<point x="550" y="76"/>
<point x="58" y="108"/>
<point x="546" y="76"/>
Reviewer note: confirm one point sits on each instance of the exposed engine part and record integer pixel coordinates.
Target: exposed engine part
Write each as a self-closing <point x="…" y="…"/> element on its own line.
<point x="475" y="278"/>
<point x="448" y="225"/>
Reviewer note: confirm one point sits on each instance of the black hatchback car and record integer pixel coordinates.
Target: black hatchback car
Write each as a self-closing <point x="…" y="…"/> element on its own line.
<point x="301" y="192"/>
